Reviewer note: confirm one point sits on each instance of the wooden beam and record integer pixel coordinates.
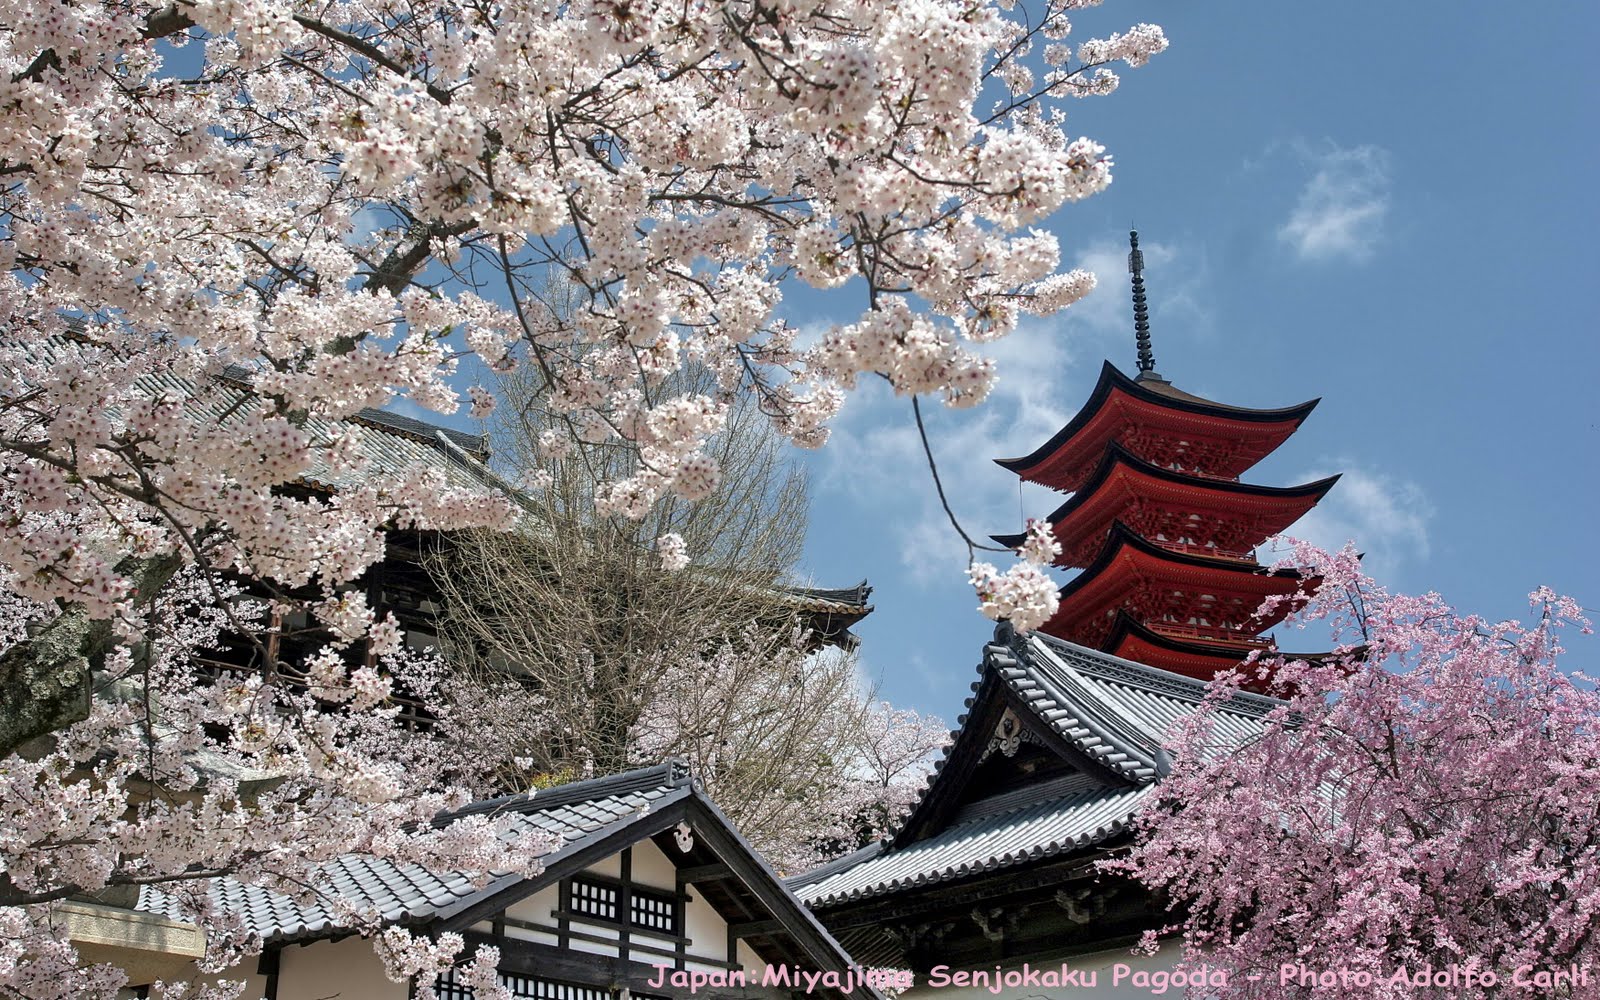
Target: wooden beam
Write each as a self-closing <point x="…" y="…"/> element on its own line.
<point x="751" y="928"/>
<point x="625" y="902"/>
<point x="705" y="873"/>
<point x="530" y="958"/>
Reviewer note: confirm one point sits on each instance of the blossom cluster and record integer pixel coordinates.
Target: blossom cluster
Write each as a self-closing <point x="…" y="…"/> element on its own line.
<point x="1024" y="595"/>
<point x="1422" y="797"/>
<point x="228" y="226"/>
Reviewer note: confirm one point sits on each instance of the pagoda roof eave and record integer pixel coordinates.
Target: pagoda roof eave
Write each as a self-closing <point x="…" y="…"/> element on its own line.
<point x="1117" y="456"/>
<point x="1123" y="537"/>
<point x="1126" y="627"/>
<point x="1112" y="379"/>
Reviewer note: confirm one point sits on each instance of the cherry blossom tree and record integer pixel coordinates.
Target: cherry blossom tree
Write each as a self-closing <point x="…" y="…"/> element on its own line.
<point x="1424" y="804"/>
<point x="337" y="206"/>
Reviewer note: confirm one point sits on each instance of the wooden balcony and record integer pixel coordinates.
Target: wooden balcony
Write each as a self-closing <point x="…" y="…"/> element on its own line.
<point x="1210" y="633"/>
<point x="1205" y="550"/>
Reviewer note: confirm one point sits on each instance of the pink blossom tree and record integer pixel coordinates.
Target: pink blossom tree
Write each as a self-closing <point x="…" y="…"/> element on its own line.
<point x="1427" y="798"/>
<point x="333" y="207"/>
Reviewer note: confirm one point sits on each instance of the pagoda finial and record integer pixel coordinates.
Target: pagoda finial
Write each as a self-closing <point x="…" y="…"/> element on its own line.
<point x="1141" y="315"/>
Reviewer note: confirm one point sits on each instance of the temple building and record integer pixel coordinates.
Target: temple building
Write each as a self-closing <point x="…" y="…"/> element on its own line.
<point x="1159" y="523"/>
<point x="1061" y="746"/>
<point x="647" y="892"/>
<point x="1059" y="749"/>
<point x="390" y="444"/>
<point x="645" y="873"/>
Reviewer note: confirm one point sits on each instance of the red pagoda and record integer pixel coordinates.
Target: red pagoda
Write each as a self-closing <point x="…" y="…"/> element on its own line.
<point x="1158" y="521"/>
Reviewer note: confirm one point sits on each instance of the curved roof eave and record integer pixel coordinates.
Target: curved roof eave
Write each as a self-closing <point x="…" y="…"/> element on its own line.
<point x="1121" y="536"/>
<point x="1116" y="455"/>
<point x="1111" y="378"/>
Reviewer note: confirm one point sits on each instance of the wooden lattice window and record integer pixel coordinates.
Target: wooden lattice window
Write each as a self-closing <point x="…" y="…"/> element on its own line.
<point x="593" y="898"/>
<point x="653" y="911"/>
<point x="601" y="900"/>
<point x="537" y="988"/>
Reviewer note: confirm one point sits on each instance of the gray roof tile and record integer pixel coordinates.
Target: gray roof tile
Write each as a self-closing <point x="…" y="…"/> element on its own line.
<point x="409" y="892"/>
<point x="1118" y="712"/>
<point x="1037" y="830"/>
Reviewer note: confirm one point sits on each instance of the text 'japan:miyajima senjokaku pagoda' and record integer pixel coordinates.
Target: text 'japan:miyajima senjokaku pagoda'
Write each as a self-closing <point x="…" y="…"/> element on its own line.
<point x="1159" y="523"/>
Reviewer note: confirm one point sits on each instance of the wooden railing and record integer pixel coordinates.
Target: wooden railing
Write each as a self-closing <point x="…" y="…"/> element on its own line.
<point x="1213" y="633"/>
<point x="1206" y="550"/>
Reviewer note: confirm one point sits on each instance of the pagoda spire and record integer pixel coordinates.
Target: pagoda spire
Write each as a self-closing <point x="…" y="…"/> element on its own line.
<point x="1141" y="315"/>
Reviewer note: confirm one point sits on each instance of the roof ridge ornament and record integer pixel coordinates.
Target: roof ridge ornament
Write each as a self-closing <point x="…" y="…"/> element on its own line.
<point x="1141" y="313"/>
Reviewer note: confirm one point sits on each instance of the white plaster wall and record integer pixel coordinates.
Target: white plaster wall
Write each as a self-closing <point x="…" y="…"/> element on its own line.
<point x="749" y="959"/>
<point x="346" y="970"/>
<point x="653" y="868"/>
<point x="539" y="908"/>
<point x="706" y="930"/>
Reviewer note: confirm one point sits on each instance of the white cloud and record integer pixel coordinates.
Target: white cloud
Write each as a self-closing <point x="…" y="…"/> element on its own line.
<point x="1343" y="207"/>
<point x="1386" y="517"/>
<point x="1047" y="368"/>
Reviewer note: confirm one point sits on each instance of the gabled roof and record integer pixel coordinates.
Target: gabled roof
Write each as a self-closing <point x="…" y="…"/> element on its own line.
<point x="1154" y="396"/>
<point x="589" y="821"/>
<point x="1107" y="715"/>
<point x="574" y="814"/>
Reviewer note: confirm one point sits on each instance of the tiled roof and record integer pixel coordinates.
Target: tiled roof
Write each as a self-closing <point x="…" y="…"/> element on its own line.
<point x="1159" y="390"/>
<point x="1116" y="712"/>
<point x="837" y="600"/>
<point x="573" y="813"/>
<point x="1028" y="833"/>
<point x="390" y="443"/>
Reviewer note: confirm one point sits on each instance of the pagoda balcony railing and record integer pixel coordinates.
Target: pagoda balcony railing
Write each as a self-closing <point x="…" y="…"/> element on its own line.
<point x="1214" y="633"/>
<point x="1205" y="550"/>
<point x="1202" y="474"/>
<point x="1197" y="472"/>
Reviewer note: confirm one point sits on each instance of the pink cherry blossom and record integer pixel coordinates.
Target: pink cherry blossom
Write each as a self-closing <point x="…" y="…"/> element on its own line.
<point x="1423" y="798"/>
<point x="231" y="225"/>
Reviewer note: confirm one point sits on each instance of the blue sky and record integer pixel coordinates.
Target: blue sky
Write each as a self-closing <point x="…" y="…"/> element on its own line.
<point x="1387" y="205"/>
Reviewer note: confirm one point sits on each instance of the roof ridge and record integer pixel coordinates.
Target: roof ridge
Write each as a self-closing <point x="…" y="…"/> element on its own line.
<point x="1084" y="718"/>
<point x="838" y="864"/>
<point x="670" y="773"/>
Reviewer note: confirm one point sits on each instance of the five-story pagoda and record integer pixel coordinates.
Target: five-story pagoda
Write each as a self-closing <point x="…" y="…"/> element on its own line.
<point x="1158" y="522"/>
